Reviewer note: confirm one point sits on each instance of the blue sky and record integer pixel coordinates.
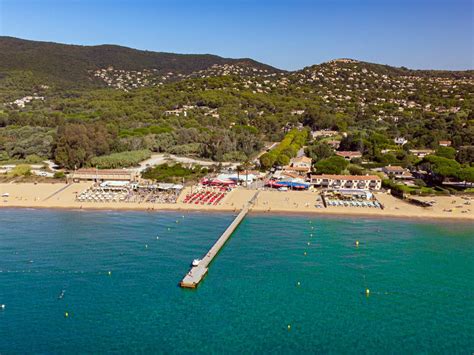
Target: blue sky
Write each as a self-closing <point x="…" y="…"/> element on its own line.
<point x="289" y="34"/>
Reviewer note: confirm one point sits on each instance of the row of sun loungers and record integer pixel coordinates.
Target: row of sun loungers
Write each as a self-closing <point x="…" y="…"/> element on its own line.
<point x="101" y="196"/>
<point x="132" y="196"/>
<point x="204" y="198"/>
<point x="370" y="204"/>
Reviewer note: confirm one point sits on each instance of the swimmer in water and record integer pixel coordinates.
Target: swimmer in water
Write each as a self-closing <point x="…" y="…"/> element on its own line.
<point x="61" y="295"/>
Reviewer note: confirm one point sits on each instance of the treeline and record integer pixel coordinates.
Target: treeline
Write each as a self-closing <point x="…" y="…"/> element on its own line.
<point x="99" y="144"/>
<point x="287" y="149"/>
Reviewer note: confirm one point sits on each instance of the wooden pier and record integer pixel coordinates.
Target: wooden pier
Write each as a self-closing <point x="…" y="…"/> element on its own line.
<point x="197" y="273"/>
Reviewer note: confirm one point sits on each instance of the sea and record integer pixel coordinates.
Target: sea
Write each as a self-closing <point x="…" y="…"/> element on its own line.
<point x="108" y="282"/>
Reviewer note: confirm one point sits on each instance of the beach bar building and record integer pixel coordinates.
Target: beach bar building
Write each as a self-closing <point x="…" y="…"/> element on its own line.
<point x="100" y="175"/>
<point x="361" y="182"/>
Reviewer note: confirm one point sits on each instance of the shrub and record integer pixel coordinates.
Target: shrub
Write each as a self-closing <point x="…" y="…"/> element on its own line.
<point x="20" y="170"/>
<point x="332" y="165"/>
<point x="59" y="175"/>
<point x="283" y="159"/>
<point x="174" y="173"/>
<point x="120" y="160"/>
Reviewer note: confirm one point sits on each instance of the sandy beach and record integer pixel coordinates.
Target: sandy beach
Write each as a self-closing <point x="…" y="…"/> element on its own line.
<point x="60" y="195"/>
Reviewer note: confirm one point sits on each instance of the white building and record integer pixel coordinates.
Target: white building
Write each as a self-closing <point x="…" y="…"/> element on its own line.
<point x="400" y="141"/>
<point x="362" y="182"/>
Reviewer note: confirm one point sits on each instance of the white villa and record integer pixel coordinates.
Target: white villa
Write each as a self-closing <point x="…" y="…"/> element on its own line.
<point x="362" y="182"/>
<point x="400" y="141"/>
<point x="300" y="165"/>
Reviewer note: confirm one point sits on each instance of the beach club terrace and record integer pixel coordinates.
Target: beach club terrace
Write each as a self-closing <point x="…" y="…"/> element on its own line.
<point x="363" y="182"/>
<point x="105" y="175"/>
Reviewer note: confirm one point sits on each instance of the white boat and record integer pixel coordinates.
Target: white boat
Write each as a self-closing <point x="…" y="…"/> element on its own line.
<point x="196" y="262"/>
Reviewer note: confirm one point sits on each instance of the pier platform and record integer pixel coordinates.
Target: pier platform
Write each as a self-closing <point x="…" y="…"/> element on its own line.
<point x="197" y="273"/>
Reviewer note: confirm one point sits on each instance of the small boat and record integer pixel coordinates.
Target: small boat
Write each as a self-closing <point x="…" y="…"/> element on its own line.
<point x="196" y="262"/>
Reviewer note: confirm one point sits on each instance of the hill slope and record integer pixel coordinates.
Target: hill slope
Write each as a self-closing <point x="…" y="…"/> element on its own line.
<point x="72" y="65"/>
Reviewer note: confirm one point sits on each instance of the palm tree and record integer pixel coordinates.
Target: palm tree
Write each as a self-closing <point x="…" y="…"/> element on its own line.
<point x="239" y="170"/>
<point x="246" y="165"/>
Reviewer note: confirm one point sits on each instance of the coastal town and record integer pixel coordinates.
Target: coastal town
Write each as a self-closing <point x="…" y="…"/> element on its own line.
<point x="220" y="177"/>
<point x="297" y="187"/>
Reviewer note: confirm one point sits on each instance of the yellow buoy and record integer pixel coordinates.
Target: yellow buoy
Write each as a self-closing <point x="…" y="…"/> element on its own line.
<point x="177" y="221"/>
<point x="66" y="314"/>
<point x="367" y="292"/>
<point x="299" y="283"/>
<point x="304" y="253"/>
<point x="146" y="246"/>
<point x="169" y="228"/>
<point x="110" y="273"/>
<point x="289" y="327"/>
<point x="309" y="243"/>
<point x="311" y="235"/>
<point x="2" y="306"/>
<point x="357" y="243"/>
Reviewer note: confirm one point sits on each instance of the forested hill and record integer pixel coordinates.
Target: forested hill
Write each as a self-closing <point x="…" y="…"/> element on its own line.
<point x="75" y="66"/>
<point x="75" y="103"/>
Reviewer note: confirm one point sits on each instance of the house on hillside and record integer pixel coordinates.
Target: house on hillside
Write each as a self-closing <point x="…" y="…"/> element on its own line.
<point x="177" y="112"/>
<point x="445" y="143"/>
<point x="363" y="182"/>
<point x="397" y="172"/>
<point x="421" y="153"/>
<point x="334" y="144"/>
<point x="348" y="155"/>
<point x="323" y="134"/>
<point x="299" y="165"/>
<point x="400" y="141"/>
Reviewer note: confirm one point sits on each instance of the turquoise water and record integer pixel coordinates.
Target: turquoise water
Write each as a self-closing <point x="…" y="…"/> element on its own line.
<point x="420" y="276"/>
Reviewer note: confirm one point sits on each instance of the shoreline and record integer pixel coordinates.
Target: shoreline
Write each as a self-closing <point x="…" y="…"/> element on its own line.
<point x="55" y="196"/>
<point x="259" y="212"/>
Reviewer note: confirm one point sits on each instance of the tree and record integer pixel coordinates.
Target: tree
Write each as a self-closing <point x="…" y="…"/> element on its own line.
<point x="319" y="151"/>
<point x="439" y="167"/>
<point x="283" y="160"/>
<point x="20" y="170"/>
<point x="332" y="165"/>
<point x="465" y="155"/>
<point x="467" y="174"/>
<point x="239" y="170"/>
<point x="355" y="169"/>
<point x="267" y="161"/>
<point x="76" y="144"/>
<point x="246" y="165"/>
<point x="446" y="152"/>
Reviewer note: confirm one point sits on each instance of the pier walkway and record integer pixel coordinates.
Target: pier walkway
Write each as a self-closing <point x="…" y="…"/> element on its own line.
<point x="197" y="273"/>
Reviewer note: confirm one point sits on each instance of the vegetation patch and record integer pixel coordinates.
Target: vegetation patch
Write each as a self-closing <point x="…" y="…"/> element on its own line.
<point x="120" y="160"/>
<point x="175" y="173"/>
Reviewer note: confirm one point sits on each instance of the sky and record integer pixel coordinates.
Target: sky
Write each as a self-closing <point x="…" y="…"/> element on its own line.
<point x="291" y="34"/>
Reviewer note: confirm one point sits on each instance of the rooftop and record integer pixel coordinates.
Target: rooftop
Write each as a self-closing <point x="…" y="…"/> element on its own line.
<point x="346" y="177"/>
